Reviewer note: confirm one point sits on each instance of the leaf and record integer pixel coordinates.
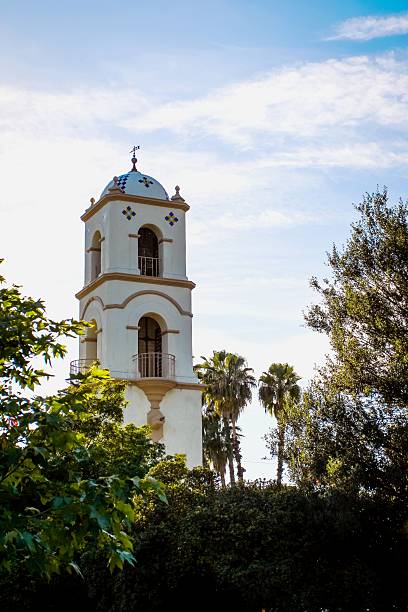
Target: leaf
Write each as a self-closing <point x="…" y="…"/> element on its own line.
<point x="28" y="540"/>
<point x="101" y="517"/>
<point x="10" y="536"/>
<point x="126" y="509"/>
<point x="32" y="510"/>
<point x="75" y="568"/>
<point x="136" y="481"/>
<point x="59" y="502"/>
<point x="127" y="557"/>
<point x="40" y="451"/>
<point x="114" y="561"/>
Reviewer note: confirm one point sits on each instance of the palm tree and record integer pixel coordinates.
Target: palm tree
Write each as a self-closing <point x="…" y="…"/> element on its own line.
<point x="229" y="389"/>
<point x="215" y="449"/>
<point x="278" y="388"/>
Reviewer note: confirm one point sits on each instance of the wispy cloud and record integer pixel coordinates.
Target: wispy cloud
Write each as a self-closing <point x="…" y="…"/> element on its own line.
<point x="340" y="112"/>
<point x="67" y="113"/>
<point x="204" y="231"/>
<point x="371" y="26"/>
<point x="358" y="155"/>
<point x="302" y="102"/>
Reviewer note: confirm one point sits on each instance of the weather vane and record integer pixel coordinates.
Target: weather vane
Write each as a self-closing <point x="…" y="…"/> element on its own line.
<point x="134" y="160"/>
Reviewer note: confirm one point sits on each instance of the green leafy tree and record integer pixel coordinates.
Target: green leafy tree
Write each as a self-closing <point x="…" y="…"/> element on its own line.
<point x="228" y="388"/>
<point x="278" y="391"/>
<point x="52" y="505"/>
<point x="353" y="433"/>
<point x="364" y="305"/>
<point x="113" y="448"/>
<point x="336" y="440"/>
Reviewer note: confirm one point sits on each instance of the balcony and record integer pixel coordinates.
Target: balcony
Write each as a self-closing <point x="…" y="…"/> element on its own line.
<point x="155" y="365"/>
<point x="149" y="266"/>
<point x="81" y="366"/>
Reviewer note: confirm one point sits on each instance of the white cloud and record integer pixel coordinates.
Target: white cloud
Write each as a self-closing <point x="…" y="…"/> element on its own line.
<point x="205" y="229"/>
<point x="264" y="219"/>
<point x="308" y="101"/>
<point x="371" y="26"/>
<point x="346" y="113"/>
<point x="349" y="155"/>
<point x="42" y="113"/>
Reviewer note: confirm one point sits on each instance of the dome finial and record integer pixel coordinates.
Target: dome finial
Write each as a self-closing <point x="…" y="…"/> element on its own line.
<point x="134" y="160"/>
<point x="115" y="187"/>
<point x="177" y="195"/>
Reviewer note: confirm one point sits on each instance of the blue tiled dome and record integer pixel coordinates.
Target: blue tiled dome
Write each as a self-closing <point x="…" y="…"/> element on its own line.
<point x="138" y="184"/>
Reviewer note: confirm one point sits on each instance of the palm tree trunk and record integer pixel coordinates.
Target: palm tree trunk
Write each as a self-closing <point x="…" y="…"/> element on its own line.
<point x="229" y="450"/>
<point x="281" y="447"/>
<point x="206" y="462"/>
<point x="237" y="451"/>
<point x="222" y="476"/>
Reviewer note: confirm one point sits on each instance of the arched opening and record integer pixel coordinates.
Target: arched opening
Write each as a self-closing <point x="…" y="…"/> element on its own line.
<point x="95" y="251"/>
<point x="152" y="362"/>
<point x="91" y="343"/>
<point x="150" y="348"/>
<point x="89" y="353"/>
<point x="149" y="263"/>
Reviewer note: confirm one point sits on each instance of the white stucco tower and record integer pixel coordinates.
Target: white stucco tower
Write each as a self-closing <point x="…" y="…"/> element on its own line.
<point x="137" y="295"/>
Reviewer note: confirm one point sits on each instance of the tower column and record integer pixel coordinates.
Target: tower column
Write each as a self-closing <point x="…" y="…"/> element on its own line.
<point x="134" y="253"/>
<point x="166" y="256"/>
<point x="155" y="390"/>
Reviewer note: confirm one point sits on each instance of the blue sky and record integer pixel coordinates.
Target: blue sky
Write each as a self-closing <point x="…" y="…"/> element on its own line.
<point x="274" y="117"/>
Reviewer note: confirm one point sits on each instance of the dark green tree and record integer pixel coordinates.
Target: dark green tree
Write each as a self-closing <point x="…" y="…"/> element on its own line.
<point x="353" y="429"/>
<point x="364" y="305"/>
<point x="246" y="547"/>
<point x="256" y="546"/>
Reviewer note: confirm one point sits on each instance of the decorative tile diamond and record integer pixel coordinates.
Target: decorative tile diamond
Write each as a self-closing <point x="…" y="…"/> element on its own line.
<point x="128" y="212"/>
<point x="146" y="181"/>
<point x="171" y="218"/>
<point x="122" y="181"/>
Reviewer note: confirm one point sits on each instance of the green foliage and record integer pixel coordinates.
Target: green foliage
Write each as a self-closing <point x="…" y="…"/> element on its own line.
<point x="348" y="443"/>
<point x="256" y="546"/>
<point x="26" y="333"/>
<point x="364" y="307"/>
<point x="124" y="450"/>
<point x="228" y="382"/>
<point x="53" y="501"/>
<point x="352" y="431"/>
<point x="245" y="547"/>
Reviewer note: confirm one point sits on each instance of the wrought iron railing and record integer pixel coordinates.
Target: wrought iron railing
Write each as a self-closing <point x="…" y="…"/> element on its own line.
<point x="154" y="365"/>
<point x="81" y="366"/>
<point x="149" y="266"/>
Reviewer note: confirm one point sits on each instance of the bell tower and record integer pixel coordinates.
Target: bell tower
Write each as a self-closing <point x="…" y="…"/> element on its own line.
<point x="138" y="298"/>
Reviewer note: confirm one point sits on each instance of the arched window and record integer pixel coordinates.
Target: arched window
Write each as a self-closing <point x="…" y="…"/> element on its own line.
<point x="149" y="348"/>
<point x="150" y="339"/>
<point x="95" y="251"/>
<point x="148" y="252"/>
<point x="91" y="343"/>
